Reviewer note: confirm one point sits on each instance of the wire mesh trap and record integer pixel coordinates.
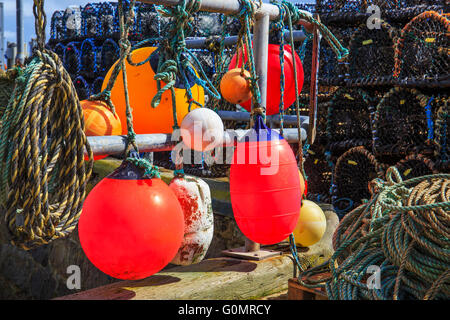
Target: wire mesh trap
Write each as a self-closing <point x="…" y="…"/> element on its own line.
<point x="423" y="49"/>
<point x="318" y="172"/>
<point x="400" y="125"/>
<point x="352" y="174"/>
<point x="371" y="57"/>
<point x="441" y="135"/>
<point x="415" y="165"/>
<point x="348" y="120"/>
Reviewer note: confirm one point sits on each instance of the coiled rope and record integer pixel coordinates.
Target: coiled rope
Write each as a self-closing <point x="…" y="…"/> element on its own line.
<point x="404" y="230"/>
<point x="43" y="172"/>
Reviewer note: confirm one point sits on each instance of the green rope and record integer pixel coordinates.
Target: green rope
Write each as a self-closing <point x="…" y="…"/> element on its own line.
<point x="403" y="229"/>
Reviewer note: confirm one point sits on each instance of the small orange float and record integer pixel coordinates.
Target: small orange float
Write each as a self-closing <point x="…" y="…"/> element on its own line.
<point x="235" y="87"/>
<point x="99" y="121"/>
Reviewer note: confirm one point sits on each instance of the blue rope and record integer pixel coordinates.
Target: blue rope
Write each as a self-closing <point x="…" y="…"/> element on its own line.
<point x="430" y="119"/>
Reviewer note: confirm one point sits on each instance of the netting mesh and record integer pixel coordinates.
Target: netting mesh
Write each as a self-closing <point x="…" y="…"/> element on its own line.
<point x="318" y="172"/>
<point x="96" y="86"/>
<point x="372" y="52"/>
<point x="441" y="133"/>
<point x="353" y="172"/>
<point x="57" y="26"/>
<point x="328" y="6"/>
<point x="89" y="56"/>
<point x="82" y="87"/>
<point x="109" y="54"/>
<point x="348" y="120"/>
<point x="400" y="123"/>
<point x="423" y="50"/>
<point x="72" y="58"/>
<point x="415" y="166"/>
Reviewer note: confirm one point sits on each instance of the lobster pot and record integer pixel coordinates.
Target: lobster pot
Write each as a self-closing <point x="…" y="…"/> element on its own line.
<point x="442" y="138"/>
<point x="340" y="6"/>
<point x="233" y="25"/>
<point x="207" y="24"/>
<point x="90" y="20"/>
<point x="96" y="86"/>
<point x="422" y="52"/>
<point x="72" y="20"/>
<point x="415" y="165"/>
<point x="82" y="88"/>
<point x="348" y="120"/>
<point x="133" y="29"/>
<point x="72" y="58"/>
<point x="331" y="71"/>
<point x="371" y="57"/>
<point x="60" y="50"/>
<point x="106" y="19"/>
<point x="57" y="26"/>
<point x="195" y="200"/>
<point x="148" y="21"/>
<point x="352" y="174"/>
<point x="90" y="54"/>
<point x="206" y="59"/>
<point x="109" y="54"/>
<point x="400" y="125"/>
<point x="318" y="172"/>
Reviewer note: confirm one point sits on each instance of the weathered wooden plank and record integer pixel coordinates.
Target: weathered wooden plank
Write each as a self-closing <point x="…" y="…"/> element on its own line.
<point x="221" y="278"/>
<point x="298" y="292"/>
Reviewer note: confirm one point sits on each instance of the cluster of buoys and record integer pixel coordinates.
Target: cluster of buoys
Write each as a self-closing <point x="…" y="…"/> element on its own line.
<point x="238" y="80"/>
<point x="133" y="225"/>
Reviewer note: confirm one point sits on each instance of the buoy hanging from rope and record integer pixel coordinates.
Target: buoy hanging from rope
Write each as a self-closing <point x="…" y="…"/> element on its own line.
<point x="265" y="186"/>
<point x="131" y="225"/>
<point x="100" y="121"/>
<point x="143" y="88"/>
<point x="202" y="130"/>
<point x="195" y="200"/>
<point x="311" y="224"/>
<point x="235" y="86"/>
<point x="273" y="78"/>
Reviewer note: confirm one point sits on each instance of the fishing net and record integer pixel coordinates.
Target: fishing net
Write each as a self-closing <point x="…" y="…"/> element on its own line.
<point x="59" y="50"/>
<point x="207" y="24"/>
<point x="90" y="20"/>
<point x="109" y="54"/>
<point x="72" y="58"/>
<point x="7" y="84"/>
<point x="90" y="56"/>
<point x="106" y="19"/>
<point x="57" y="26"/>
<point x="72" y="23"/>
<point x="348" y="120"/>
<point x="441" y="135"/>
<point x="400" y="123"/>
<point x="415" y="165"/>
<point x="331" y="6"/>
<point x="318" y="172"/>
<point x="352" y="174"/>
<point x="148" y="21"/>
<point x="82" y="88"/>
<point x="371" y="57"/>
<point x="423" y="51"/>
<point x="96" y="86"/>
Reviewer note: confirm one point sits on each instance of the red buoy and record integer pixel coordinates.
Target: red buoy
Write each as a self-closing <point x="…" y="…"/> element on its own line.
<point x="131" y="227"/>
<point x="273" y="78"/>
<point x="265" y="186"/>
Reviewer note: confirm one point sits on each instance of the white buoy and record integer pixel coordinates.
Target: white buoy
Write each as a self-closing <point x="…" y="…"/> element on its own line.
<point x="202" y="130"/>
<point x="194" y="196"/>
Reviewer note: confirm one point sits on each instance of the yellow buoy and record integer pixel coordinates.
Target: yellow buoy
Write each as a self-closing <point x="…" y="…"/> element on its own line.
<point x="311" y="224"/>
<point x="141" y="89"/>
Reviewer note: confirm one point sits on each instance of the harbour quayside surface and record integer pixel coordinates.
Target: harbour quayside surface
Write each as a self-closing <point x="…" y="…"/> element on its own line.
<point x="232" y="150"/>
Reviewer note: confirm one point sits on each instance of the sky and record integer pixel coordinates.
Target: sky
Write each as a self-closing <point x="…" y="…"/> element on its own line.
<point x="50" y="7"/>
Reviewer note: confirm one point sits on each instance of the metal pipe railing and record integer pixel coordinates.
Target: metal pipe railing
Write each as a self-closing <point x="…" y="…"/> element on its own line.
<point x="113" y="145"/>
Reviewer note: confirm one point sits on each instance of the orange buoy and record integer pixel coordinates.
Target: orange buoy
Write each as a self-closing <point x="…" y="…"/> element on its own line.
<point x="235" y="87"/>
<point x="99" y="121"/>
<point x="142" y="88"/>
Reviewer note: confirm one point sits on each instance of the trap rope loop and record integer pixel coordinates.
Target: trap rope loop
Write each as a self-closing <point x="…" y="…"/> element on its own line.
<point x="44" y="175"/>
